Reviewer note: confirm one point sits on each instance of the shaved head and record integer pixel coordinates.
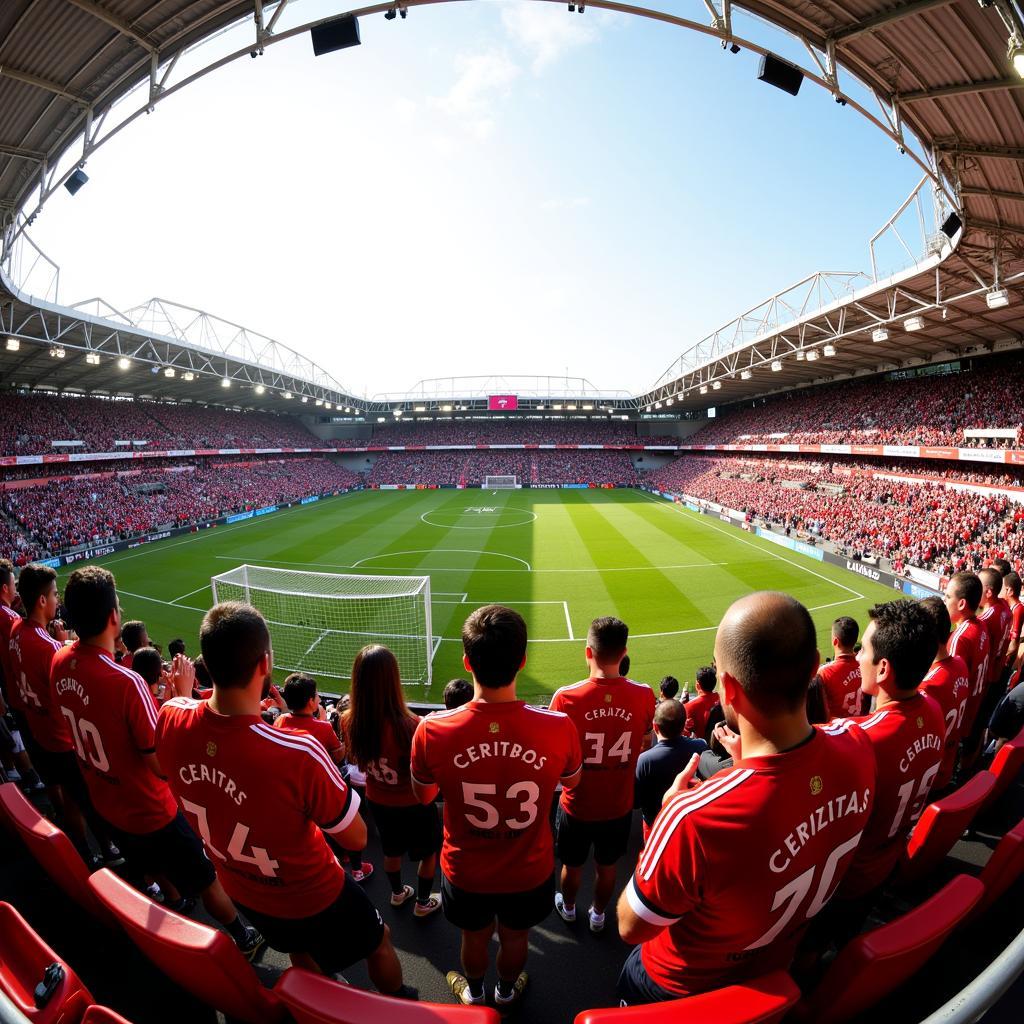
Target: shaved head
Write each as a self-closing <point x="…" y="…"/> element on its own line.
<point x="767" y="643"/>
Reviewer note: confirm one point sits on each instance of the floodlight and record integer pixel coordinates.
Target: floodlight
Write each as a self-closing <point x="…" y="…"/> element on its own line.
<point x="776" y="365"/>
<point x="169" y="371"/>
<point x="260" y="389"/>
<point x="703" y="389"/>
<point x="829" y="350"/>
<point x="586" y="408"/>
<point x="812" y="355"/>
<point x="913" y="323"/>
<point x="997" y="298"/>
<point x="188" y="375"/>
<point x="13" y="345"/>
<point x="670" y="401"/>
<point x="92" y="359"/>
<point x="397" y="412"/>
<point x="448" y="408"/>
<point x="124" y="363"/>
<point x="287" y="395"/>
<point x="57" y="352"/>
<point x="879" y="334"/>
<point x="745" y="375"/>
<point x="225" y="382"/>
<point x="327" y="406"/>
<point x="717" y="385"/>
<point x="800" y="355"/>
<point x="305" y="399"/>
<point x="319" y="402"/>
<point x="557" y="408"/>
<point x="571" y="408"/>
<point x="1017" y="58"/>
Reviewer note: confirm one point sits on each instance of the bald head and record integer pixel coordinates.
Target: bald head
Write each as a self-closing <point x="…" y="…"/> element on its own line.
<point x="670" y="717"/>
<point x="767" y="643"/>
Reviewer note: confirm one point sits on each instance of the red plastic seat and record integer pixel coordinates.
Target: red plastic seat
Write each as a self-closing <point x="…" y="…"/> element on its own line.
<point x="53" y="851"/>
<point x="97" y="1014"/>
<point x="873" y="964"/>
<point x="24" y="958"/>
<point x="1004" y="867"/>
<point x="199" y="958"/>
<point x="941" y="825"/>
<point x="760" y="1001"/>
<point x="315" y="999"/>
<point x="1006" y="766"/>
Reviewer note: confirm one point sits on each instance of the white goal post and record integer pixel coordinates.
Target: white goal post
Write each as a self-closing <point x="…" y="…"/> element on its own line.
<point x="501" y="483"/>
<point x="319" y="621"/>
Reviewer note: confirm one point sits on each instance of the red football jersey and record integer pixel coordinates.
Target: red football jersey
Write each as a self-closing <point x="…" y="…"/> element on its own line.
<point x="697" y="710"/>
<point x="497" y="766"/>
<point x="735" y="868"/>
<point x="908" y="738"/>
<point x="315" y="727"/>
<point x="389" y="779"/>
<point x="612" y="717"/>
<point x="261" y="799"/>
<point x="32" y="650"/>
<point x="8" y="618"/>
<point x="946" y="683"/>
<point x="840" y="680"/>
<point x="970" y="640"/>
<point x="1016" y="620"/>
<point x="998" y="620"/>
<point x="112" y="716"/>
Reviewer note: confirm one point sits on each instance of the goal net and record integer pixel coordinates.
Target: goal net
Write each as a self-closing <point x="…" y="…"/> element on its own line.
<point x="497" y="483"/>
<point x="319" y="621"/>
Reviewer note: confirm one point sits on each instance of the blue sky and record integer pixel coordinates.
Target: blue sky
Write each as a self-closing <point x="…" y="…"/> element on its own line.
<point x="481" y="188"/>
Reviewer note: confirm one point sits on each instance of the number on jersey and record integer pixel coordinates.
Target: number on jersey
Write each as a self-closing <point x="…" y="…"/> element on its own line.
<point x="620" y="749"/>
<point x="259" y="857"/>
<point x="525" y="795"/>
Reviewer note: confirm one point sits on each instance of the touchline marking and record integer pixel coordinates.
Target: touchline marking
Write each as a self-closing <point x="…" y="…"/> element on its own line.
<point x="568" y="621"/>
<point x="156" y="600"/>
<point x="439" y="551"/>
<point x="672" y="507"/>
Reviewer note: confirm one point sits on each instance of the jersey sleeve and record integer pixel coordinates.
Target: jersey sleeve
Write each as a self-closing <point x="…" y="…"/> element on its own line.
<point x="556" y="702"/>
<point x="418" y="766"/>
<point x="574" y="752"/>
<point x="669" y="876"/>
<point x="651" y="707"/>
<point x="332" y="804"/>
<point x="140" y="715"/>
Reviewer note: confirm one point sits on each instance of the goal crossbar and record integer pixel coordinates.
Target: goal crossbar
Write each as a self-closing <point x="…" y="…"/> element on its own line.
<point x="321" y="620"/>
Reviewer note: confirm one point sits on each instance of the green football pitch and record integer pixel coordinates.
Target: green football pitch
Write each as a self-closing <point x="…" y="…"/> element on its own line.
<point x="560" y="558"/>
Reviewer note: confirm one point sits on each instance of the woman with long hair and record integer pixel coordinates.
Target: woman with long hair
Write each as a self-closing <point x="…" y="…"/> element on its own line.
<point x="378" y="729"/>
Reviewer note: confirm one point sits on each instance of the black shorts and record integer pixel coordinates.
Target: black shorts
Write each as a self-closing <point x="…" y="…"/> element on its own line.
<point x="636" y="986"/>
<point x="55" y="769"/>
<point x="520" y="911"/>
<point x="174" y="851"/>
<point x="415" y="829"/>
<point x="347" y="931"/>
<point x="573" y="839"/>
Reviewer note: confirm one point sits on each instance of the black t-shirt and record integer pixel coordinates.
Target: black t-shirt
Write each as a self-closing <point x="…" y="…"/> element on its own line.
<point x="1008" y="717"/>
<point x="657" y="768"/>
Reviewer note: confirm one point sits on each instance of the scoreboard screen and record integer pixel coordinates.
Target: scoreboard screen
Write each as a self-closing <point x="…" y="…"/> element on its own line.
<point x="502" y="403"/>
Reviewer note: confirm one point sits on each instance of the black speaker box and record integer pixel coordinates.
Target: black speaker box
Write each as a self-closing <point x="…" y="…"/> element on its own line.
<point x="951" y="225"/>
<point x="780" y="73"/>
<point x="335" y="35"/>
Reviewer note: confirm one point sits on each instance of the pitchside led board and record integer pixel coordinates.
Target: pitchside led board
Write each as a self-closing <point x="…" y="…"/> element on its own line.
<point x="502" y="403"/>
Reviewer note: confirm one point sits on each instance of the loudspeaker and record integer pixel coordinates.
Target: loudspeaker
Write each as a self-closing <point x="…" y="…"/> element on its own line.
<point x="335" y="35"/>
<point x="780" y="73"/>
<point x="76" y="181"/>
<point x="951" y="225"/>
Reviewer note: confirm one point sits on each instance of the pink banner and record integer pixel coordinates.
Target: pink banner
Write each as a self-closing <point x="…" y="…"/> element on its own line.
<point x="502" y="403"/>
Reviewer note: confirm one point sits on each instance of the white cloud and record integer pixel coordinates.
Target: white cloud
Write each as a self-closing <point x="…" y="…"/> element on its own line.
<point x="565" y="203"/>
<point x="483" y="79"/>
<point x="547" y="32"/>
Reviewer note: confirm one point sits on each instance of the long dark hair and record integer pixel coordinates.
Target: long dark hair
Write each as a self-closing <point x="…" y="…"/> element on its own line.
<point x="377" y="703"/>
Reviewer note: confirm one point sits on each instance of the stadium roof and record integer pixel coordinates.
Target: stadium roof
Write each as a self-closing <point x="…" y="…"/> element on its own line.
<point x="939" y="69"/>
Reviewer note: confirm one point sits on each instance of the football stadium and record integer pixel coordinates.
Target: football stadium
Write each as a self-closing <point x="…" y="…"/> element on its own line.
<point x="694" y="698"/>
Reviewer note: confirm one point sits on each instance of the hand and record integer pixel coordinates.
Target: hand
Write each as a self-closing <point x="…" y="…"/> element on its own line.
<point x="58" y="631"/>
<point x="183" y="675"/>
<point x="683" y="781"/>
<point x="729" y="740"/>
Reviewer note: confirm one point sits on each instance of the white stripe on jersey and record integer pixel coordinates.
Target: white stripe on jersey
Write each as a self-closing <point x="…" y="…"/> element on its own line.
<point x="55" y="644"/>
<point x="546" y="711"/>
<point x="677" y="809"/>
<point x="350" y="815"/>
<point x="187" y="703"/>
<point x="868" y="723"/>
<point x="957" y="633"/>
<point x="643" y="911"/>
<point x="570" y="686"/>
<point x="297" y="741"/>
<point x="9" y="612"/>
<point x="140" y="685"/>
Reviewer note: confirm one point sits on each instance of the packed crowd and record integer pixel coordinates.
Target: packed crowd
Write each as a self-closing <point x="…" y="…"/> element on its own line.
<point x="512" y="431"/>
<point x="701" y="910"/>
<point x="46" y="518"/>
<point x="909" y="523"/>
<point x="469" y="469"/>
<point x="30" y="424"/>
<point x="931" y="410"/>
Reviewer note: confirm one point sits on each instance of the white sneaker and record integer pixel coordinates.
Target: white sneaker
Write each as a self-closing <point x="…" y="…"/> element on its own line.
<point x="596" y="921"/>
<point x="567" y="914"/>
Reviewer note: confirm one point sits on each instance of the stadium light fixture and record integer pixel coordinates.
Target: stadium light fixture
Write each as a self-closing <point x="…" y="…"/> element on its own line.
<point x="421" y="408"/>
<point x="260" y="389"/>
<point x="124" y="363"/>
<point x="168" y="371"/>
<point x="319" y="402"/>
<point x="776" y="365"/>
<point x="380" y="419"/>
<point x="812" y="355"/>
<point x="225" y="382"/>
<point x="879" y="334"/>
<point x="829" y="350"/>
<point x="13" y="345"/>
<point x="703" y="389"/>
<point x="997" y="298"/>
<point x="717" y="385"/>
<point x="305" y="399"/>
<point x="448" y="408"/>
<point x="92" y="359"/>
<point x="801" y="355"/>
<point x="327" y="406"/>
<point x="557" y="408"/>
<point x="396" y="412"/>
<point x="287" y="396"/>
<point x="188" y="375"/>
<point x="571" y="408"/>
<point x="57" y="352"/>
<point x="587" y="408"/>
<point x="745" y="375"/>
<point x="1016" y="54"/>
<point x="670" y="401"/>
<point x="913" y="323"/>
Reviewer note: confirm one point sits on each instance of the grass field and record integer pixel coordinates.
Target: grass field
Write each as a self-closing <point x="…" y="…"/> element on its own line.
<point x="561" y="558"/>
